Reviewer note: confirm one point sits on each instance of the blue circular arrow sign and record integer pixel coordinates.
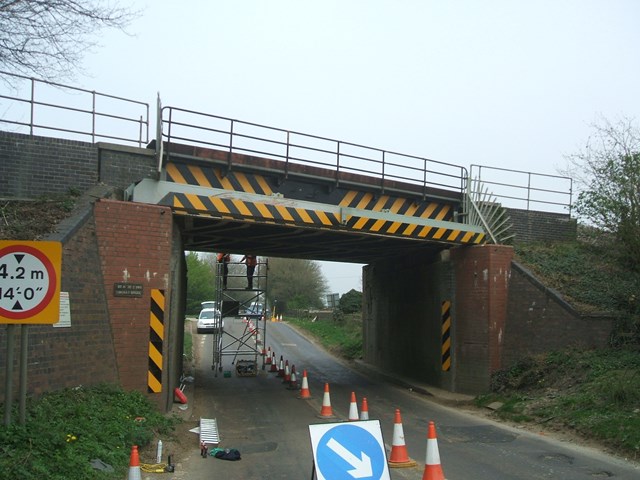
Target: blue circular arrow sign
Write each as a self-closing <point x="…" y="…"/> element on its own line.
<point x="348" y="452"/>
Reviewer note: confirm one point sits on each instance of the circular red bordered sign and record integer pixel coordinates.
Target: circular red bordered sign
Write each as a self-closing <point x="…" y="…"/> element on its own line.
<point x="27" y="281"/>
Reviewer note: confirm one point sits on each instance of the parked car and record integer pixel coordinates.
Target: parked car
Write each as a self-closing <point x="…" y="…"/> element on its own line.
<point x="256" y="311"/>
<point x="210" y="321"/>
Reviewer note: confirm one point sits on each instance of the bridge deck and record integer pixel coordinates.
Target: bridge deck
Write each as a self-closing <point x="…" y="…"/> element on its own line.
<point x="242" y="202"/>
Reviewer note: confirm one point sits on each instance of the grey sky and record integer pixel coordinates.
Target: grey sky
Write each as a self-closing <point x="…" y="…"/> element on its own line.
<point x="512" y="84"/>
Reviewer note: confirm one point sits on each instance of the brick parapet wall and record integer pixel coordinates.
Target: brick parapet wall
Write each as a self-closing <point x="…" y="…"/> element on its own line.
<point x="31" y="165"/>
<point x="135" y="245"/>
<point x="122" y="166"/>
<point x="540" y="320"/>
<point x="533" y="226"/>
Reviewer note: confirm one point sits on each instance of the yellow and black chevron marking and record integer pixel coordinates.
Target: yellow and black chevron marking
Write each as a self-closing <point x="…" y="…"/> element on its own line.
<point x="400" y="206"/>
<point x="156" y="337"/>
<point x="263" y="212"/>
<point x="213" y="178"/>
<point x="446" y="335"/>
<point x="256" y="211"/>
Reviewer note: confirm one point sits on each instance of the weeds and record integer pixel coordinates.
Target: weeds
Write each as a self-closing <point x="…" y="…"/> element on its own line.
<point x="596" y="393"/>
<point x="66" y="429"/>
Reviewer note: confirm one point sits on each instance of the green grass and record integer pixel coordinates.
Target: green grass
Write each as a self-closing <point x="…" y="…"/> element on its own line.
<point x="66" y="429"/>
<point x="583" y="273"/>
<point x="595" y="393"/>
<point x="188" y="346"/>
<point x="342" y="337"/>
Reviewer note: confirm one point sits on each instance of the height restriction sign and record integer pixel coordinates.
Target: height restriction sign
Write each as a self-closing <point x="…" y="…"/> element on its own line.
<point x="30" y="282"/>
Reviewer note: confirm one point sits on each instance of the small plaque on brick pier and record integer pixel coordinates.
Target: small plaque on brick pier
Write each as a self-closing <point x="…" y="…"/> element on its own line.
<point x="127" y="289"/>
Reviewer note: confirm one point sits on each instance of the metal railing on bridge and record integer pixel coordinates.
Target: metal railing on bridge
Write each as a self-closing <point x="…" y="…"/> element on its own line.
<point x="525" y="190"/>
<point x="34" y="106"/>
<point x="234" y="136"/>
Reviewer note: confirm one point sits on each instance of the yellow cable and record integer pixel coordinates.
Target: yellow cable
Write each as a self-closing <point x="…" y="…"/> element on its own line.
<point x="153" y="468"/>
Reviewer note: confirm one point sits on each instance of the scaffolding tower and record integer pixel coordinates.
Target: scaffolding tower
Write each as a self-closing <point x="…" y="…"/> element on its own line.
<point x="244" y="316"/>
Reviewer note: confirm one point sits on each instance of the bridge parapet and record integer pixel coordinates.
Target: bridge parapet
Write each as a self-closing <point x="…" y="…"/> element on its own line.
<point x="297" y="152"/>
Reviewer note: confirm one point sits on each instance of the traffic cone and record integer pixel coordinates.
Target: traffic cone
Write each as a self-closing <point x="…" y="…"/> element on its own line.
<point x="304" y="390"/>
<point x="353" y="408"/>
<point x="286" y="377"/>
<point x="293" y="382"/>
<point x="399" y="457"/>
<point x="280" y="368"/>
<point x="274" y="367"/>
<point x="134" y="465"/>
<point x="364" y="411"/>
<point x="432" y="468"/>
<point x="268" y="355"/>
<point x="326" y="411"/>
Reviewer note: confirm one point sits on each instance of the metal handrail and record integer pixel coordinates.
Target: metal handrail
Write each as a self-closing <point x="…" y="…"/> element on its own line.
<point x="38" y="107"/>
<point x="253" y="138"/>
<point x="533" y="196"/>
<point x="236" y="136"/>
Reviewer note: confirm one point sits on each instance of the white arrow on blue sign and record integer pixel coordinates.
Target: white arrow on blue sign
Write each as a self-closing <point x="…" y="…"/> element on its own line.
<point x="349" y="451"/>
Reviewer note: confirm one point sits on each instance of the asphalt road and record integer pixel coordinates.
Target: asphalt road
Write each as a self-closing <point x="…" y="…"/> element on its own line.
<point x="272" y="428"/>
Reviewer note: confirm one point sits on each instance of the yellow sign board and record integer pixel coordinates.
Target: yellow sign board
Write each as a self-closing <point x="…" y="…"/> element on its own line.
<point x="30" y="282"/>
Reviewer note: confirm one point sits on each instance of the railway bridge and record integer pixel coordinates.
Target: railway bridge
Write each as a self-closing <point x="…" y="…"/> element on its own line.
<point x="436" y="285"/>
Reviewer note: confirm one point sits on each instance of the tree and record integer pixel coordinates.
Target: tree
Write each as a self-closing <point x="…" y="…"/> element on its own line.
<point x="47" y="38"/>
<point x="295" y="283"/>
<point x="200" y="281"/>
<point x="608" y="176"/>
<point x="351" y="302"/>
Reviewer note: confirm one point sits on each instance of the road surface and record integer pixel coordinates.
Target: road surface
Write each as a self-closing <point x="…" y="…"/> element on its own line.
<point x="270" y="425"/>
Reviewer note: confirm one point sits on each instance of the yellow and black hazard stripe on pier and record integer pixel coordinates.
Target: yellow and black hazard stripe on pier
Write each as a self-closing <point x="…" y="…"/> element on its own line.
<point x="156" y="338"/>
<point x="273" y="212"/>
<point x="446" y="335"/>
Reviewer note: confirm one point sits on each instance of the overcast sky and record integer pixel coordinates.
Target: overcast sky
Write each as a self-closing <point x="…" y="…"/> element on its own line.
<point x="512" y="84"/>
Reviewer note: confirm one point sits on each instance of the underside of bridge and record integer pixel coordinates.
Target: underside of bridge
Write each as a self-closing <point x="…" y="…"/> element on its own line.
<point x="403" y="232"/>
<point x="240" y="203"/>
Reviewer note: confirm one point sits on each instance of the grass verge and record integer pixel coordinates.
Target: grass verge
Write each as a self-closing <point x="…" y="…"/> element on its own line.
<point x="67" y="429"/>
<point x="342" y="337"/>
<point x="593" y="393"/>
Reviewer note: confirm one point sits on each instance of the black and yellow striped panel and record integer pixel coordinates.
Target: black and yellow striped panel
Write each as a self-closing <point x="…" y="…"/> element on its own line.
<point x="256" y="211"/>
<point x="156" y="338"/>
<point x="213" y="178"/>
<point x="446" y="335"/>
<point x="227" y="208"/>
<point x="397" y="205"/>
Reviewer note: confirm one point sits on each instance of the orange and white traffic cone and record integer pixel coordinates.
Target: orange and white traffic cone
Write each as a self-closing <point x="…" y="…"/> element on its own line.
<point x="364" y="411"/>
<point x="353" y="408"/>
<point x="268" y="355"/>
<point x="286" y="378"/>
<point x="293" y="382"/>
<point x="134" y="465"/>
<point x="280" y="368"/>
<point x="399" y="457"/>
<point x="432" y="468"/>
<point x="304" y="390"/>
<point x="326" y="411"/>
<point x="274" y="367"/>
